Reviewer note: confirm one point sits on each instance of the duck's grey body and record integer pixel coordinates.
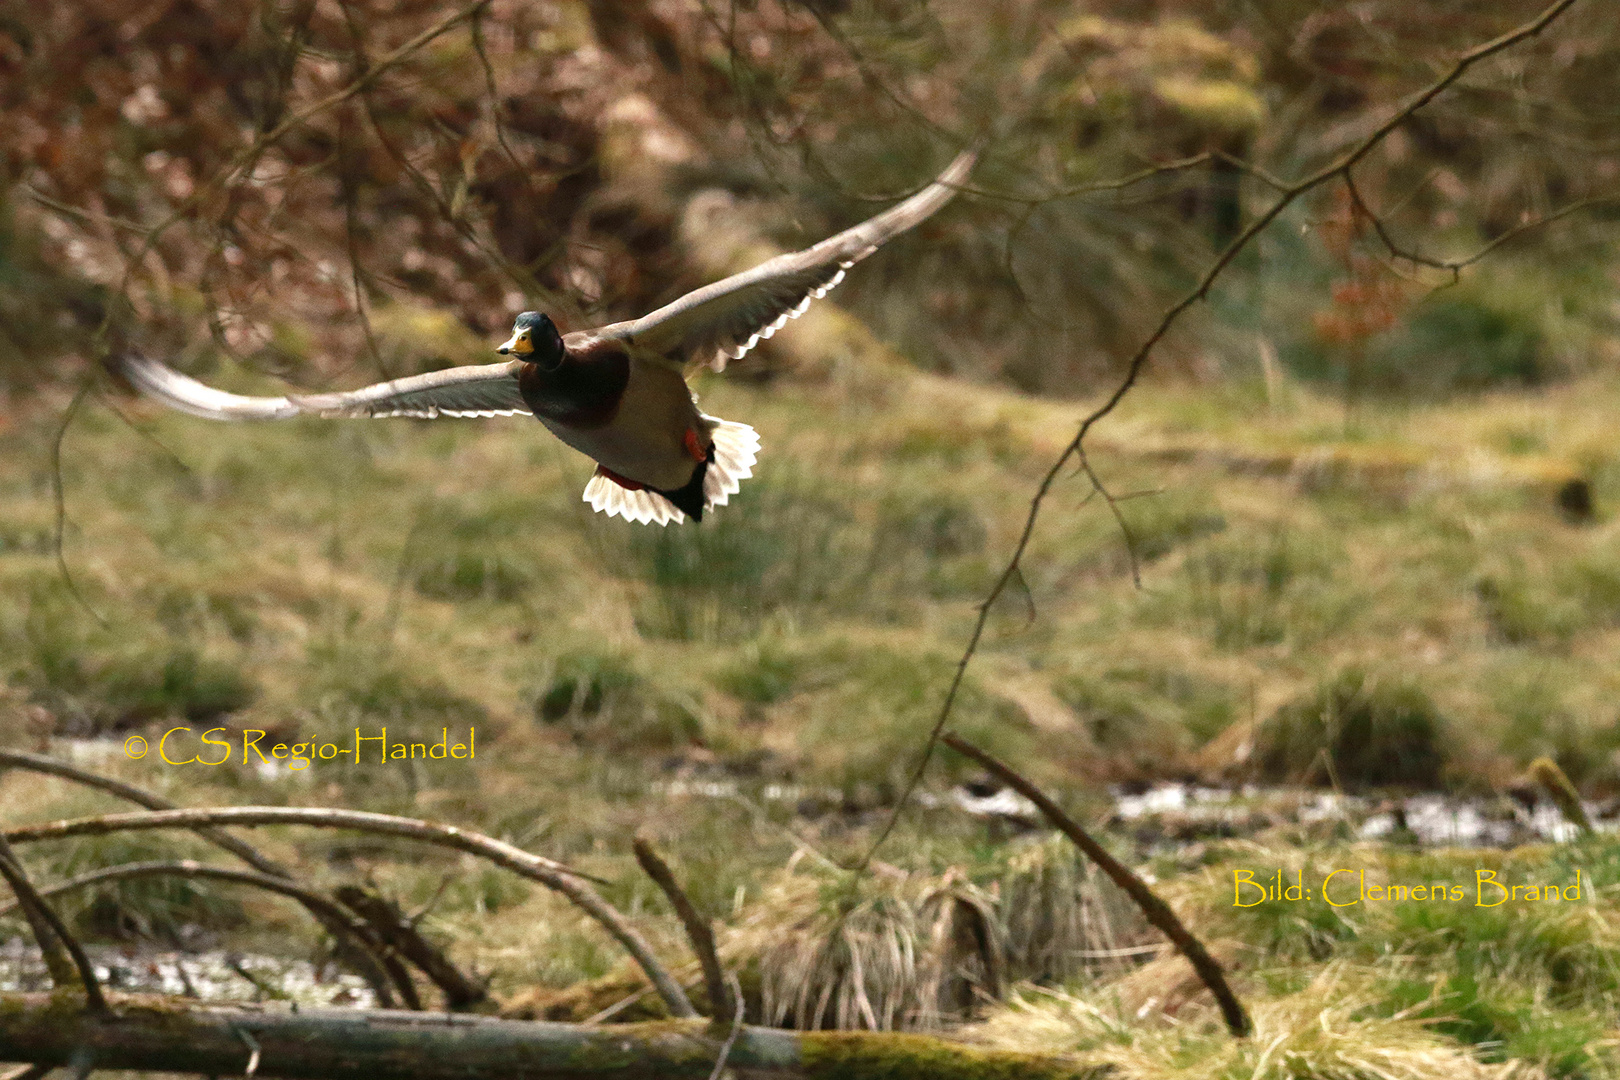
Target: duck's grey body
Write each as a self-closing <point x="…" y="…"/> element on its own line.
<point x="618" y="393"/>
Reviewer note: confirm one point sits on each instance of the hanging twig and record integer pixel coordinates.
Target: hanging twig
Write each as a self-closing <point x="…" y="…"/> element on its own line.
<point x="1157" y="911"/>
<point x="59" y="498"/>
<point x="1287" y="196"/>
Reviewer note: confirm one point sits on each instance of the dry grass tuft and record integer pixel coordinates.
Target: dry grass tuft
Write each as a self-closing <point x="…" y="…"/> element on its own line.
<point x="913" y="952"/>
<point x="922" y="951"/>
<point x="1328" y="1030"/>
<point x="1063" y="919"/>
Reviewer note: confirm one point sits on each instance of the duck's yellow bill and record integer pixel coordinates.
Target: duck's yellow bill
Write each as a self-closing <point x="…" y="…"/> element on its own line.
<point x="517" y="343"/>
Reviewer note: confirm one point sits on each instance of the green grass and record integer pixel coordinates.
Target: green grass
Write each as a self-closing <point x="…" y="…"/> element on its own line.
<point x="1354" y="732"/>
<point x="311" y="578"/>
<point x="326" y="574"/>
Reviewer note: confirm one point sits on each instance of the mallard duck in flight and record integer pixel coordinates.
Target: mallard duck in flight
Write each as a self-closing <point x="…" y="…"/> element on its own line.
<point x="618" y="393"/>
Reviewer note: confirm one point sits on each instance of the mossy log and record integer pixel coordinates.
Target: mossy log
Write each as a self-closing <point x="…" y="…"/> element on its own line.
<point x="186" y="1036"/>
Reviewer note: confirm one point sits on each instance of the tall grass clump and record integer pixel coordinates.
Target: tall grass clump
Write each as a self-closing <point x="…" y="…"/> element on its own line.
<point x="1063" y="919"/>
<point x="1142" y="722"/>
<point x="908" y="953"/>
<point x="1356" y="731"/>
<point x="604" y="697"/>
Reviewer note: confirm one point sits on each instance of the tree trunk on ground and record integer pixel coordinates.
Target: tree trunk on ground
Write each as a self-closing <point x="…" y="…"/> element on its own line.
<point x="180" y="1035"/>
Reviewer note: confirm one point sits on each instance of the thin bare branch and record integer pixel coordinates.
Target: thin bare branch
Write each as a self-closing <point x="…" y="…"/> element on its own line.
<point x="342" y="925"/>
<point x="58" y="964"/>
<point x="874" y="80"/>
<point x="1286" y="198"/>
<point x="51" y="933"/>
<point x="111" y="406"/>
<point x="391" y="927"/>
<point x="519" y="275"/>
<point x="552" y="874"/>
<point x="59" y="497"/>
<point x="1258" y="172"/>
<point x="1113" y="508"/>
<point x="1129" y="180"/>
<point x="21" y="759"/>
<point x="1035" y="202"/>
<point x="1455" y="266"/>
<point x="87" y="217"/>
<point x="357" y="273"/>
<point x="391" y="971"/>
<point x="476" y="27"/>
<point x="617" y="1007"/>
<point x="1157" y="911"/>
<point x="736" y="1026"/>
<point x="698" y="931"/>
<point x="243" y="160"/>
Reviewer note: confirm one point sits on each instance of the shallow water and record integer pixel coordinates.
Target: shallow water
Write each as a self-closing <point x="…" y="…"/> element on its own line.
<point x="207" y="975"/>
<point x="1182" y="810"/>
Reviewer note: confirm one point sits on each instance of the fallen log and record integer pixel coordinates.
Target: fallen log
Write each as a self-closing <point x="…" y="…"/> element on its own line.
<point x="187" y="1036"/>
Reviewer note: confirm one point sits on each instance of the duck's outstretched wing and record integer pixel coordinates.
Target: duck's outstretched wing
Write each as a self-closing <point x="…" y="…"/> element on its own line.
<point x="722" y="321"/>
<point x="473" y="390"/>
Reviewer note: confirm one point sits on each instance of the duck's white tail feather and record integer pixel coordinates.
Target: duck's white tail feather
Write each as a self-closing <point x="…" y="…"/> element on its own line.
<point x="648" y="507"/>
<point x="188" y="395"/>
<point x="736" y="448"/>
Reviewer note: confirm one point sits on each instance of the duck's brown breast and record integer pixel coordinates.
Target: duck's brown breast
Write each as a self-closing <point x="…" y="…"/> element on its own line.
<point x="583" y="392"/>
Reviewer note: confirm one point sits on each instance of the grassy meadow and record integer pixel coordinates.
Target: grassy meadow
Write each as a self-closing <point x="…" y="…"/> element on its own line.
<point x="1354" y="585"/>
<point x="1378" y="594"/>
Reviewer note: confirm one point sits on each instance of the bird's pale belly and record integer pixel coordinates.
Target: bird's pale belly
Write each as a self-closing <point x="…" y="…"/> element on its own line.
<point x="646" y="439"/>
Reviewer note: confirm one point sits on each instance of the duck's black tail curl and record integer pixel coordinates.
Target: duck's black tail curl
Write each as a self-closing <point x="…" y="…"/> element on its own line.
<point x="690" y="499"/>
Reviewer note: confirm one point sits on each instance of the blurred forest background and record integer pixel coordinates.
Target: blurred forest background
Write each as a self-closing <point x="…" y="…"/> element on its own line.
<point x="1371" y="500"/>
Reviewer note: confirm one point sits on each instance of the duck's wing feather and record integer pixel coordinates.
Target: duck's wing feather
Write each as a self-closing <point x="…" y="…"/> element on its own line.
<point x="473" y="390"/>
<point x="163" y="383"/>
<point x="723" y="320"/>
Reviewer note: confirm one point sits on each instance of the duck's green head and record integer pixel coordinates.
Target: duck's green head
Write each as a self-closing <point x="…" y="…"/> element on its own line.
<point x="535" y="338"/>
